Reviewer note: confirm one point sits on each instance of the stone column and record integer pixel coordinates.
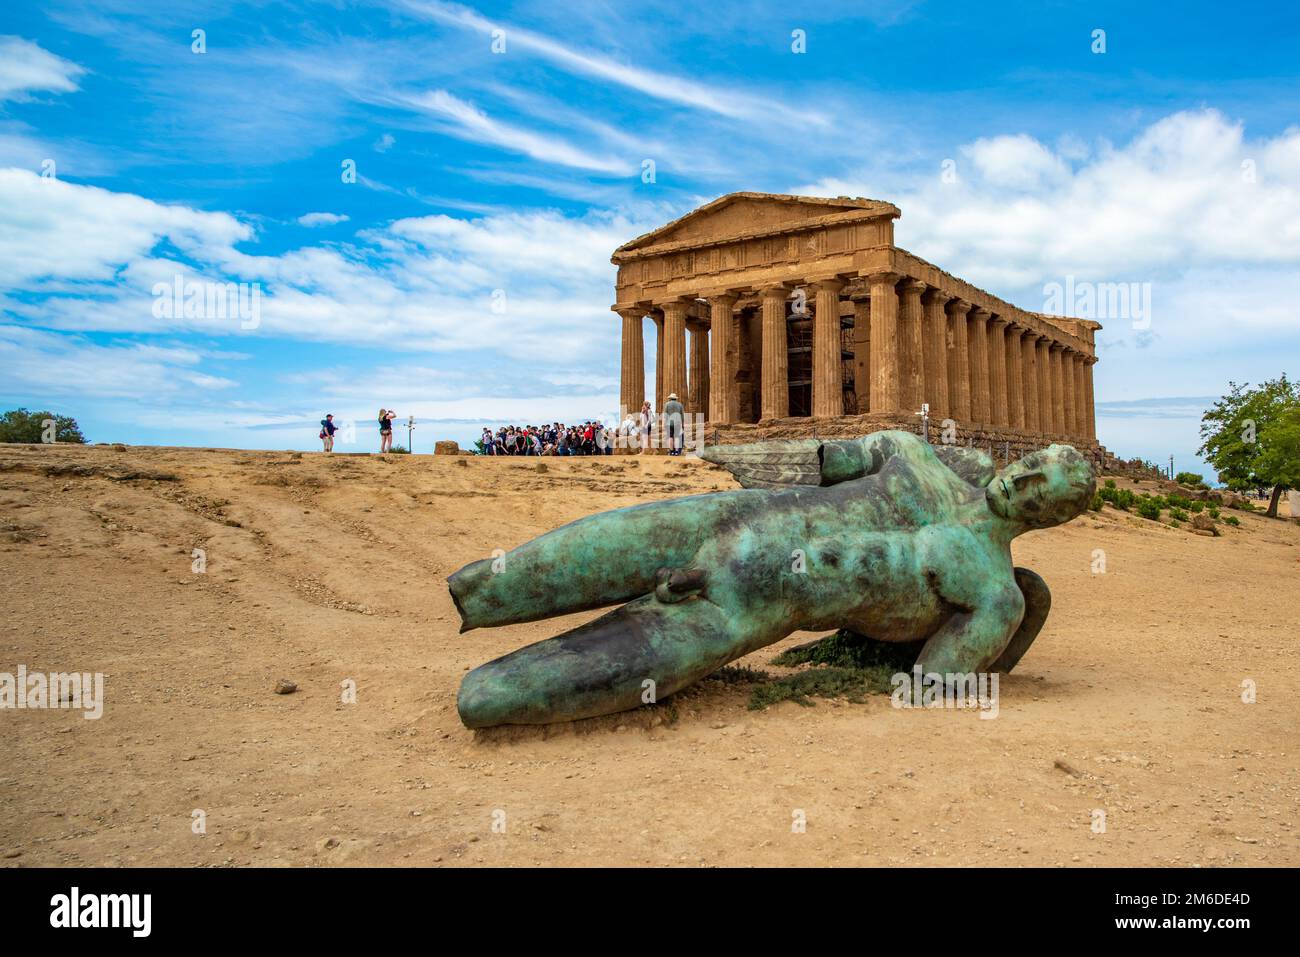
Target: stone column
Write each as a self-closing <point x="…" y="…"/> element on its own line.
<point x="862" y="352"/>
<point x="827" y="376"/>
<point x="1056" y="385"/>
<point x="675" y="351"/>
<point x="1044" y="387"/>
<point x="632" y="373"/>
<point x="911" y="343"/>
<point x="1015" y="390"/>
<point x="936" y="354"/>
<point x="978" y="347"/>
<point x="959" y="361"/>
<point x="1089" y="406"/>
<point x="1071" y="403"/>
<point x="699" y="371"/>
<point x="660" y="395"/>
<point x="1029" y="379"/>
<point x="723" y="352"/>
<point x="885" y="379"/>
<point x="997" y="331"/>
<point x="776" y="362"/>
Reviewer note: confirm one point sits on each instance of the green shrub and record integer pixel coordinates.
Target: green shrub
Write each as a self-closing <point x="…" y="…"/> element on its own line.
<point x="1178" y="515"/>
<point x="1197" y="506"/>
<point x="1097" y="503"/>
<point x="1173" y="522"/>
<point x="1149" y="509"/>
<point x="1110" y="483"/>
<point x="1233" y="520"/>
<point x="1214" y="511"/>
<point x="1189" y="478"/>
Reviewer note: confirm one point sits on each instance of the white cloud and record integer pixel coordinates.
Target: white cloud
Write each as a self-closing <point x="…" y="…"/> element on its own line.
<point x="312" y="220"/>
<point x="55" y="231"/>
<point x="471" y="123"/>
<point x="535" y="284"/>
<point x="384" y="143"/>
<point x="37" y="362"/>
<point x="25" y="68"/>
<point x="1179" y="197"/>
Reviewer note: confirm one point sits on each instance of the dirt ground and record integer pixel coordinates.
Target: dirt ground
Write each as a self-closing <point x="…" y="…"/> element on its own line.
<point x="328" y="570"/>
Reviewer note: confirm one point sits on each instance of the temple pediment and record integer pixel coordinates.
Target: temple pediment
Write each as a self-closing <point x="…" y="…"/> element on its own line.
<point x="744" y="215"/>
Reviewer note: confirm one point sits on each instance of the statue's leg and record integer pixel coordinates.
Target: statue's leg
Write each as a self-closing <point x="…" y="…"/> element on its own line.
<point x="1038" y="602"/>
<point x="636" y="654"/>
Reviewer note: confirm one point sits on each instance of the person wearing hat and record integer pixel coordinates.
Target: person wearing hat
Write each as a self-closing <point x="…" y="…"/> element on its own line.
<point x="327" y="430"/>
<point x="674" y="416"/>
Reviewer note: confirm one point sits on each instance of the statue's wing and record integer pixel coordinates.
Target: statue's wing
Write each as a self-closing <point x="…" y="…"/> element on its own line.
<point x="971" y="465"/>
<point x="776" y="464"/>
<point x="784" y="462"/>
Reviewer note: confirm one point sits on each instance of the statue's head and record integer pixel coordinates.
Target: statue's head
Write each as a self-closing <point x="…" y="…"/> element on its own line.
<point x="1044" y="488"/>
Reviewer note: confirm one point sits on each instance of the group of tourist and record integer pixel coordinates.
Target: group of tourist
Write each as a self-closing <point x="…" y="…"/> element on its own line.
<point x="590" y="438"/>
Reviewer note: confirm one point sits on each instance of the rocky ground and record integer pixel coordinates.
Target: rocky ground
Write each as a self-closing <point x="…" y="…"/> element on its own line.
<point x="330" y="571"/>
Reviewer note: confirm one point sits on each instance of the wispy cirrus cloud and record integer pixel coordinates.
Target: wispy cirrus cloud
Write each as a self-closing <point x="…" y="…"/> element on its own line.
<point x="469" y="122"/>
<point x="725" y="101"/>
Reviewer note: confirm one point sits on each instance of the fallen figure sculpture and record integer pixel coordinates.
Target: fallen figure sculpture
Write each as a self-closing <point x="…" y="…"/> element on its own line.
<point x="886" y="536"/>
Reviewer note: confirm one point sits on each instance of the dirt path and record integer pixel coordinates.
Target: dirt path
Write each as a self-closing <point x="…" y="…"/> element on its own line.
<point x="329" y="570"/>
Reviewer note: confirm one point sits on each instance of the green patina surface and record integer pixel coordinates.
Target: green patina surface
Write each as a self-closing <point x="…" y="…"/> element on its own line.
<point x="885" y="536"/>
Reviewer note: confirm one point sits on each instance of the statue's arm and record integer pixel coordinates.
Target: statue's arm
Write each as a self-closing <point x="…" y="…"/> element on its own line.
<point x="972" y="640"/>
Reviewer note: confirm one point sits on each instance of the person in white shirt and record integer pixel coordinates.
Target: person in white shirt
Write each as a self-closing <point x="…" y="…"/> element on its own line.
<point x="646" y="422"/>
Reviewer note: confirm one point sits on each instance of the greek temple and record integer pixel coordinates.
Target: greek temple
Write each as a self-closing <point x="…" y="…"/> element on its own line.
<point x="789" y="315"/>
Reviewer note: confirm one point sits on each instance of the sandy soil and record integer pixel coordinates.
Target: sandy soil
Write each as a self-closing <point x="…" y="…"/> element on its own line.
<point x="324" y="570"/>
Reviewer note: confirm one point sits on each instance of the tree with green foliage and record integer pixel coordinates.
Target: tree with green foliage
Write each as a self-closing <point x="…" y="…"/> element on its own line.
<point x="1252" y="438"/>
<point x="20" y="425"/>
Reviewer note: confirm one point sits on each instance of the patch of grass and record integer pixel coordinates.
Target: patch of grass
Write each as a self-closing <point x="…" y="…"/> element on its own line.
<point x="845" y="665"/>
<point x="850" y="683"/>
<point x="1233" y="520"/>
<point x="848" y="649"/>
<point x="739" y="675"/>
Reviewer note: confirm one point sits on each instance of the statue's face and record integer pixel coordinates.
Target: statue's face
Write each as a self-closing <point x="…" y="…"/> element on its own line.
<point x="1044" y="488"/>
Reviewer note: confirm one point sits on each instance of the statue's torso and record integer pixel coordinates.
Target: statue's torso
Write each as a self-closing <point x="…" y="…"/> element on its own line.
<point x="893" y="555"/>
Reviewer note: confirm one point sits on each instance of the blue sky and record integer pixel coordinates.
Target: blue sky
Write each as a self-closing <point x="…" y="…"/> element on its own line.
<point x="465" y="274"/>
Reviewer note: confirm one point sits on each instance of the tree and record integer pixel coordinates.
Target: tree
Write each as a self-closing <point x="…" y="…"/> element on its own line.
<point x="1252" y="438"/>
<point x="19" y="425"/>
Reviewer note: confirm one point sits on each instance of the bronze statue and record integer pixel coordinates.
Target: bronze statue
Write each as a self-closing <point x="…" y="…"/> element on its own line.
<point x="885" y="535"/>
